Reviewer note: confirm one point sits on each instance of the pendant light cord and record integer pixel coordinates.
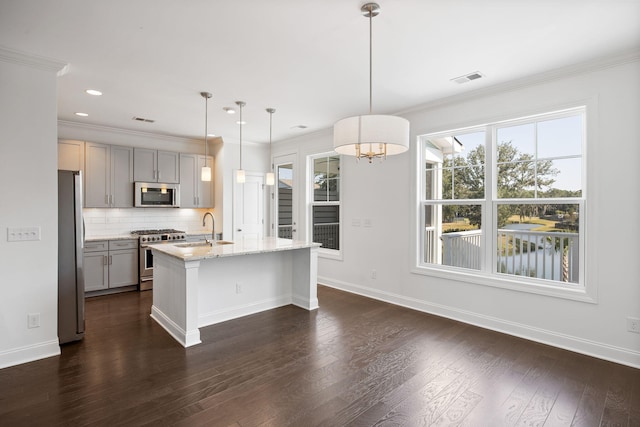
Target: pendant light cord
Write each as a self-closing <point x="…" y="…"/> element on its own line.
<point x="240" y="136"/>
<point x="206" y="131"/>
<point x="370" y="59"/>
<point x="270" y="130"/>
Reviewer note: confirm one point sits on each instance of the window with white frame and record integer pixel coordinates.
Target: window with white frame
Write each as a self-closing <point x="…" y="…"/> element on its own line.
<point x="506" y="200"/>
<point x="325" y="201"/>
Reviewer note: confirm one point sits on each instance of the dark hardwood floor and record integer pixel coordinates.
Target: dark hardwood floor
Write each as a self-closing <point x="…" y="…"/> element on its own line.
<point x="354" y="362"/>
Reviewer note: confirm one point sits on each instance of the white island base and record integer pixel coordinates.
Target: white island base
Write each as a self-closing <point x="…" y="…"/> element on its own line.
<point x="200" y="286"/>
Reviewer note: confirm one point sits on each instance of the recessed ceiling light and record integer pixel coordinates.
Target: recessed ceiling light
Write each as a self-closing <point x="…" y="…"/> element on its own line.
<point x="229" y="110"/>
<point x="211" y="134"/>
<point x="241" y="123"/>
<point x="93" y="92"/>
<point x="82" y="114"/>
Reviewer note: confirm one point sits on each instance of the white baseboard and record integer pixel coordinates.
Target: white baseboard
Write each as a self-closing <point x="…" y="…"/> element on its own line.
<point x="306" y="303"/>
<point x="29" y="353"/>
<point x="600" y="350"/>
<point x="225" y="314"/>
<point x="185" y="338"/>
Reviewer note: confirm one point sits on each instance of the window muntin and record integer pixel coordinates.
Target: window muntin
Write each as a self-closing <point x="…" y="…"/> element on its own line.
<point x="325" y="206"/>
<point x="527" y="222"/>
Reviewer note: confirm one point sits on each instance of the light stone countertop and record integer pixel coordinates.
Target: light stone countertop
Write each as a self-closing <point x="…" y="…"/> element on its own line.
<point x="242" y="247"/>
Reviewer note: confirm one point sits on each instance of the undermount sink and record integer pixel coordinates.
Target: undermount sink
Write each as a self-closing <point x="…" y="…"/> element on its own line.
<point x="201" y="244"/>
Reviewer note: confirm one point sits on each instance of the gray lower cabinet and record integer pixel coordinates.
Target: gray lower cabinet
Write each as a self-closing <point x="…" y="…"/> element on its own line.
<point x="110" y="264"/>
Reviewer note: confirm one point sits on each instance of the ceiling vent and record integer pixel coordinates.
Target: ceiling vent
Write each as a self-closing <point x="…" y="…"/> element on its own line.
<point x="468" y="77"/>
<point x="142" y="119"/>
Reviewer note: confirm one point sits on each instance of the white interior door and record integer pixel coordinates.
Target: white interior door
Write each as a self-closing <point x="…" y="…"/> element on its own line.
<point x="285" y="197"/>
<point x="248" y="212"/>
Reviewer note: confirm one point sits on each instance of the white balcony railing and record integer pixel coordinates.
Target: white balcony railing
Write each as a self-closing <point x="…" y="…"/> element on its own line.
<point x="543" y="255"/>
<point x="462" y="249"/>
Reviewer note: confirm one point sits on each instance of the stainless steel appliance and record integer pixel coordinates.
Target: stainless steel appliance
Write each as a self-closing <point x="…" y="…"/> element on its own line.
<point x="147" y="239"/>
<point x="156" y="195"/>
<point x="70" y="244"/>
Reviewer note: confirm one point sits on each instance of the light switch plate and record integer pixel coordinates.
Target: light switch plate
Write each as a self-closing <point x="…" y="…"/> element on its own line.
<point x="22" y="234"/>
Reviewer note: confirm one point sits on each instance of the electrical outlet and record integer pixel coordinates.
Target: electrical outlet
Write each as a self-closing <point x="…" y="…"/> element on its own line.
<point x="374" y="274"/>
<point x="633" y="325"/>
<point x="238" y="288"/>
<point x="33" y="320"/>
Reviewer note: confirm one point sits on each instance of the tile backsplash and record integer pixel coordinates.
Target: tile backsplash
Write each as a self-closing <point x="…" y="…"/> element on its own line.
<point x="109" y="222"/>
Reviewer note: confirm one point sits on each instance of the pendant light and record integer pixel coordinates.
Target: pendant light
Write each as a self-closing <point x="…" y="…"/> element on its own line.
<point x="206" y="170"/>
<point x="372" y="135"/>
<point x="240" y="176"/>
<point x="270" y="179"/>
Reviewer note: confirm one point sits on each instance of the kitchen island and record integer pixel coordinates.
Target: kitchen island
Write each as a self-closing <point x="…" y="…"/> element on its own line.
<point x="197" y="285"/>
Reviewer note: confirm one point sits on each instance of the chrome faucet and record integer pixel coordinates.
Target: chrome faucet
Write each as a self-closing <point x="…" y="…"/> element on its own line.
<point x="213" y="226"/>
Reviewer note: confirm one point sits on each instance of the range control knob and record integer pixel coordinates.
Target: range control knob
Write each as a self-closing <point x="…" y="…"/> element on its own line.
<point x="144" y="239"/>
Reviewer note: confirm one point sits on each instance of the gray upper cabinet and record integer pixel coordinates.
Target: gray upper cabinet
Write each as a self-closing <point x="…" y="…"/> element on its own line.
<point x="156" y="166"/>
<point x="194" y="193"/>
<point x="108" y="176"/>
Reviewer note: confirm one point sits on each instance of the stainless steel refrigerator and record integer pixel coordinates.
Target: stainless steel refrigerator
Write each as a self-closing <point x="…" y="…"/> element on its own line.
<point x="70" y="246"/>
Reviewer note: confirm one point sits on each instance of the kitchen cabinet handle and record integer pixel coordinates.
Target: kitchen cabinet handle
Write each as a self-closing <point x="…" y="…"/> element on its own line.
<point x="110" y="260"/>
<point x="158" y="175"/>
<point x="105" y="261"/>
<point x="239" y="229"/>
<point x="106" y="199"/>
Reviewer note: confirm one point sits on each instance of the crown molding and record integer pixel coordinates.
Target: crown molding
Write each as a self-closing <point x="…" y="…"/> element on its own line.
<point x="601" y="63"/>
<point x="34" y="61"/>
<point x="121" y="131"/>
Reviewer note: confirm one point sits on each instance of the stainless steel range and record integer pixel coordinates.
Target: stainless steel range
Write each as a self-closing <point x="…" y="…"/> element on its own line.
<point x="147" y="239"/>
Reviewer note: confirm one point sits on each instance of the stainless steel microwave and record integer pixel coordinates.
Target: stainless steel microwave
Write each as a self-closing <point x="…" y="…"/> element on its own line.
<point x="156" y="195"/>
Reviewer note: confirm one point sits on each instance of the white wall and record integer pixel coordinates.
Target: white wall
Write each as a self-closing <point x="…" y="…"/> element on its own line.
<point x="28" y="149"/>
<point x="385" y="193"/>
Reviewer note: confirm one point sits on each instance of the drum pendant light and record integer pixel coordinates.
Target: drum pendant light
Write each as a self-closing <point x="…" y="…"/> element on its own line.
<point x="372" y="135"/>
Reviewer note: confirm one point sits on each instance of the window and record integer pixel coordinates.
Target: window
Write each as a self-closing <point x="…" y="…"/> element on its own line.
<point x="325" y="203"/>
<point x="504" y="200"/>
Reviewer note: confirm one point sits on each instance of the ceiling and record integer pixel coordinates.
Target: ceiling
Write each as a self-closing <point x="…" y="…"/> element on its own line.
<point x="307" y="59"/>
